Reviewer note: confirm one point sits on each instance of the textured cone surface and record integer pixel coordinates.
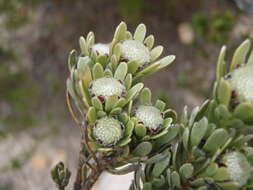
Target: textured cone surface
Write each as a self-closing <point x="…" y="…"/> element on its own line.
<point x="150" y="116"/>
<point x="100" y="48"/>
<point x="238" y="166"/>
<point x="242" y="83"/>
<point x="108" y="131"/>
<point x="135" y="51"/>
<point x="106" y="87"/>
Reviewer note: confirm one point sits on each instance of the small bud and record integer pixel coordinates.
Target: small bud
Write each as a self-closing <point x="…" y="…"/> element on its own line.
<point x="134" y="50"/>
<point x="108" y="131"/>
<point x="60" y="175"/>
<point x="150" y="116"/>
<point x="107" y="86"/>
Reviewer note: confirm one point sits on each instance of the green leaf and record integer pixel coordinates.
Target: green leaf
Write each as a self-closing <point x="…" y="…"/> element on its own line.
<point x="175" y="179"/>
<point x="116" y="111"/>
<point x="97" y="71"/>
<point x="244" y="111"/>
<point x="145" y="96"/>
<point x="72" y="59"/>
<point x="121" y="71"/>
<point x="140" y="130"/>
<point x="216" y="140"/>
<point x="134" y="91"/>
<point x="161" y="166"/>
<point x="186" y="170"/>
<point x="140" y="32"/>
<point x="198" y="131"/>
<point x="132" y="66"/>
<point x="120" y="31"/>
<point x="83" y="46"/>
<point x="172" y="133"/>
<point x="142" y="149"/>
<point x="220" y="70"/>
<point x="147" y="186"/>
<point x="160" y="105"/>
<point x="149" y="41"/>
<point x="224" y="92"/>
<point x="186" y="138"/>
<point x="110" y="103"/>
<point x="97" y="103"/>
<point x="91" y="115"/>
<point x="128" y="81"/>
<point x="156" y="52"/>
<point x="240" y="54"/>
<point x="87" y="78"/>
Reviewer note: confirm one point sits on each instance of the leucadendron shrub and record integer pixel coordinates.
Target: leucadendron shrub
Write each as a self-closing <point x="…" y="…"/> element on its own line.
<point x="124" y="130"/>
<point x="209" y="150"/>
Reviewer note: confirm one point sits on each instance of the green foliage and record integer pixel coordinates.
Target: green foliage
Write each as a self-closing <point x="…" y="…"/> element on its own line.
<point x="214" y="27"/>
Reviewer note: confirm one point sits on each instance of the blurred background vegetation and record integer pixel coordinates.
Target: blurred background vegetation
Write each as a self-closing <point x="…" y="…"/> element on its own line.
<point x="36" y="36"/>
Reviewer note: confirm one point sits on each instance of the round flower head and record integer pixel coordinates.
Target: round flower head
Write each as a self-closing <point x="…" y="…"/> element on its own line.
<point x="108" y="131"/>
<point x="242" y="82"/>
<point x="107" y="86"/>
<point x="150" y="116"/>
<point x="100" y="48"/>
<point x="134" y="50"/>
<point x="238" y="166"/>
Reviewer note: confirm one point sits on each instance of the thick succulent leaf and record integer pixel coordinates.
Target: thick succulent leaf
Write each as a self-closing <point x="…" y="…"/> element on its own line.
<point x="198" y="131"/>
<point x="97" y="103"/>
<point x="110" y="102"/>
<point x="159" y="182"/>
<point x="124" y="118"/>
<point x="97" y="71"/>
<point x="116" y="52"/>
<point x="165" y="61"/>
<point x="149" y="41"/>
<point x="175" y="179"/>
<point x="185" y="138"/>
<point x="120" y="32"/>
<point x="140" y="32"/>
<point x="132" y="66"/>
<point x="160" y="105"/>
<point x="193" y="116"/>
<point x="83" y="46"/>
<point x="203" y="109"/>
<point x="244" y="111"/>
<point x="250" y="60"/>
<point x="220" y="70"/>
<point x="87" y="77"/>
<point x="171" y="134"/>
<point x="147" y="186"/>
<point x="72" y="59"/>
<point x="156" y="52"/>
<point x="228" y="185"/>
<point x="216" y="140"/>
<point x="186" y="170"/>
<point x="121" y="102"/>
<point x="128" y="35"/>
<point x="116" y="111"/>
<point x="121" y="71"/>
<point x="222" y="174"/>
<point x="210" y="170"/>
<point x="128" y="81"/>
<point x="129" y="128"/>
<point x="131" y="94"/>
<point x="145" y="96"/>
<point x="140" y="130"/>
<point x="91" y="115"/>
<point x="170" y="113"/>
<point x="159" y="167"/>
<point x="108" y="72"/>
<point x="240" y="54"/>
<point x="158" y="157"/>
<point x="102" y="59"/>
<point x="142" y="149"/>
<point x="224" y="92"/>
<point x="101" y="114"/>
